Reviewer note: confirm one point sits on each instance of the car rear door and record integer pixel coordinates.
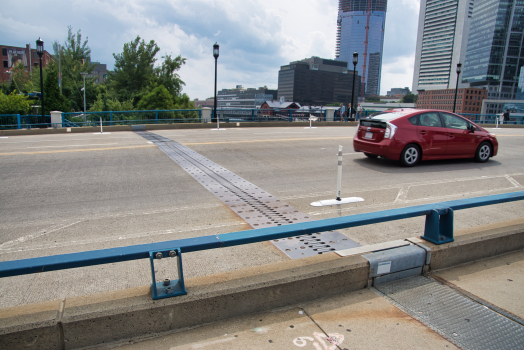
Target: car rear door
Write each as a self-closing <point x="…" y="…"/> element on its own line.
<point x="432" y="135"/>
<point x="372" y="130"/>
<point x="461" y="140"/>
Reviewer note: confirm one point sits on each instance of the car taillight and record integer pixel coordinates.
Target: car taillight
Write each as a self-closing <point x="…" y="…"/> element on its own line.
<point x="390" y="131"/>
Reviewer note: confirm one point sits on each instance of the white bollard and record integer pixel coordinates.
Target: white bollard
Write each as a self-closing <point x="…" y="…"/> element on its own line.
<point x="339" y="182"/>
<point x="101" y="128"/>
<point x="338" y="200"/>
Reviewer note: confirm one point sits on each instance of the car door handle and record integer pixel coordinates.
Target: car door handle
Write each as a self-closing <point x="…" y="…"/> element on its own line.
<point x="423" y="132"/>
<point x="451" y="135"/>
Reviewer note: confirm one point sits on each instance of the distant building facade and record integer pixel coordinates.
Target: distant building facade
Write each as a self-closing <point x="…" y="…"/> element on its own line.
<point x="469" y="100"/>
<point x="99" y="73"/>
<point x="208" y="102"/>
<point x="360" y="28"/>
<point x="495" y="51"/>
<point x="398" y="92"/>
<point x="11" y="56"/>
<point x="241" y="97"/>
<point x="276" y="107"/>
<point x="317" y="81"/>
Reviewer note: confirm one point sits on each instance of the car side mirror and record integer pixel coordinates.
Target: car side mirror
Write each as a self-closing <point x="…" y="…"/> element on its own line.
<point x="472" y="128"/>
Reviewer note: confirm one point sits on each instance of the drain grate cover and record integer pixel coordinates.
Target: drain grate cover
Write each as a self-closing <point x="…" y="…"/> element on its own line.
<point x="255" y="206"/>
<point x="465" y="322"/>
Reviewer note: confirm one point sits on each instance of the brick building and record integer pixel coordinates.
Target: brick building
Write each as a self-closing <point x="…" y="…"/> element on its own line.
<point x="469" y="100"/>
<point x="12" y="55"/>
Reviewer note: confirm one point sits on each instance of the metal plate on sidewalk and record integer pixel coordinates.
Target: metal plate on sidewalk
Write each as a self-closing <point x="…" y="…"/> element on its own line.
<point x="468" y="324"/>
<point x="255" y="206"/>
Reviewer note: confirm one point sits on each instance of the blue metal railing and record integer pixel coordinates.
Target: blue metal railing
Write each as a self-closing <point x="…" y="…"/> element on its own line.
<point x="17" y="121"/>
<point x="438" y="230"/>
<point x="132" y="117"/>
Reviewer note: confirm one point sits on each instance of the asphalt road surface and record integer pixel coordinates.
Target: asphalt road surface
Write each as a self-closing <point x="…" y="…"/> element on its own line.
<point x="75" y="192"/>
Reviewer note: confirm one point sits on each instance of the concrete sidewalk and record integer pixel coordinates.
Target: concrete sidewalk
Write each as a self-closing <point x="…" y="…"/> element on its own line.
<point x="277" y="307"/>
<point x="358" y="320"/>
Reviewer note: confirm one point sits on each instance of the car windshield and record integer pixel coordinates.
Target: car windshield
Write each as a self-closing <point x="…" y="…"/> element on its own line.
<point x="388" y="116"/>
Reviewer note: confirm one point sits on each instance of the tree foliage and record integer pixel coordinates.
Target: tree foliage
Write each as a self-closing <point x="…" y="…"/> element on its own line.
<point x="409" y="98"/>
<point x="14" y="104"/>
<point x="134" y="69"/>
<point x="75" y="57"/>
<point x="53" y="99"/>
<point x="158" y="98"/>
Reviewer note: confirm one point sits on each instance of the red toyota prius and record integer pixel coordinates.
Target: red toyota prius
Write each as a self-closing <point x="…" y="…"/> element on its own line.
<point x="412" y="135"/>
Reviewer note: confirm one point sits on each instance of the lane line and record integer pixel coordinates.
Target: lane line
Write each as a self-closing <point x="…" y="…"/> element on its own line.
<point x="74" y="150"/>
<point x="269" y="140"/>
<point x="94" y="144"/>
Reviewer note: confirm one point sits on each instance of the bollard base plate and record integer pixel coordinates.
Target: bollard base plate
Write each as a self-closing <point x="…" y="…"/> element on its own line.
<point x="337" y="202"/>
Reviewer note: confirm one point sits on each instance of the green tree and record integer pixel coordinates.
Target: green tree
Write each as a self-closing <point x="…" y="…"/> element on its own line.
<point x="372" y="99"/>
<point x="14" y="104"/>
<point x="134" y="70"/>
<point x="409" y="98"/>
<point x="53" y="100"/>
<point x="165" y="74"/>
<point x="159" y="98"/>
<point x="104" y="102"/>
<point x="75" y="57"/>
<point x="183" y="102"/>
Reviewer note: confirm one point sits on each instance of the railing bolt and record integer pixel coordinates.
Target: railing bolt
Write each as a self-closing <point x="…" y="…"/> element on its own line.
<point x="172" y="253"/>
<point x="167" y="282"/>
<point x="159" y="255"/>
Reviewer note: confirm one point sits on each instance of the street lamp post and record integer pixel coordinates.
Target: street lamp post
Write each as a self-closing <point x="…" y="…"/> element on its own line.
<point x="352" y="108"/>
<point x="459" y="69"/>
<point x="40" y="52"/>
<point x="83" y="74"/>
<point x="215" y="54"/>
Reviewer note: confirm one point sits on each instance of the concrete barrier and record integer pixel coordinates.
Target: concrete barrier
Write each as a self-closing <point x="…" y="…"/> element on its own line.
<point x="110" y="317"/>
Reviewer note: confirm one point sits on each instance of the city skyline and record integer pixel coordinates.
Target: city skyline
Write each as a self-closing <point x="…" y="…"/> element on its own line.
<point x="256" y="37"/>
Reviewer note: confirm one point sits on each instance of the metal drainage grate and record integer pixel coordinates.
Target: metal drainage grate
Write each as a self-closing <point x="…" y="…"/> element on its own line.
<point x="255" y="206"/>
<point x="463" y="321"/>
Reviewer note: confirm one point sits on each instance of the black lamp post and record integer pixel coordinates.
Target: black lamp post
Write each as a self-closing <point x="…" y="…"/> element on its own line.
<point x="355" y="61"/>
<point x="215" y="54"/>
<point x="459" y="69"/>
<point x="40" y="52"/>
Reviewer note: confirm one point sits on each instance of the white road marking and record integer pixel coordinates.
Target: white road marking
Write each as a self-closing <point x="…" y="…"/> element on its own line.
<point x="90" y="144"/>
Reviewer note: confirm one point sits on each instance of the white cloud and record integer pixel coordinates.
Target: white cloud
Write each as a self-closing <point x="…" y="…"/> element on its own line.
<point x="256" y="37"/>
<point x="397" y="73"/>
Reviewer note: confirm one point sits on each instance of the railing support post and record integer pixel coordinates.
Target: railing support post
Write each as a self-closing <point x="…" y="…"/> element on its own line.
<point x="111" y="118"/>
<point x="156" y="117"/>
<point x="18" y="121"/>
<point x="168" y="288"/>
<point x="439" y="227"/>
<point x="290" y="115"/>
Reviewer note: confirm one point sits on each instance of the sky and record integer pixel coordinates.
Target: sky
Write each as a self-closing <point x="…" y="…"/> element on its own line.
<point x="256" y="37"/>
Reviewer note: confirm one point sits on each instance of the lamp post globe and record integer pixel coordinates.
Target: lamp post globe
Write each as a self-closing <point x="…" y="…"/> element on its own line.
<point x="459" y="69"/>
<point x="215" y="54"/>
<point x="355" y="61"/>
<point x="40" y="52"/>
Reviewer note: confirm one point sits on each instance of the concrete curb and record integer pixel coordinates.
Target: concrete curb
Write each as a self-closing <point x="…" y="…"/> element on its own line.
<point x="105" y="318"/>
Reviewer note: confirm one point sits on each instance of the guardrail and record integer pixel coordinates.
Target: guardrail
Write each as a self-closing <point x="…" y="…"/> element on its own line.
<point x="132" y="117"/>
<point x="438" y="230"/>
<point x="18" y="121"/>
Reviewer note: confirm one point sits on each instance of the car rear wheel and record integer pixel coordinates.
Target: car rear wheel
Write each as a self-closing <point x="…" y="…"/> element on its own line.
<point x="371" y="156"/>
<point x="410" y="155"/>
<point x="483" y="152"/>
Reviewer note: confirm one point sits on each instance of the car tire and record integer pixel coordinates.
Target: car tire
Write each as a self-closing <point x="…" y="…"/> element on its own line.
<point x="483" y="152"/>
<point x="371" y="156"/>
<point x="410" y="155"/>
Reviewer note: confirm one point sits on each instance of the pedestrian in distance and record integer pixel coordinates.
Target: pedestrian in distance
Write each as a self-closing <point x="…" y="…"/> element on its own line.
<point x="505" y="116"/>
<point x="342" y="112"/>
<point x="359" y="111"/>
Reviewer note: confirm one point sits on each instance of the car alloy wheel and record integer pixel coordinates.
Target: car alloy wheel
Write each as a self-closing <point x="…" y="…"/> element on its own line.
<point x="410" y="155"/>
<point x="483" y="152"/>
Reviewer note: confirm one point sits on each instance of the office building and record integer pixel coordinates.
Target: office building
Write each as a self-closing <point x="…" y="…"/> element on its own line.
<point x="469" y="100"/>
<point x="12" y="56"/>
<point x="317" y="81"/>
<point x="398" y="92"/>
<point x="241" y="97"/>
<point x="441" y="42"/>
<point x="360" y="28"/>
<point x="495" y="52"/>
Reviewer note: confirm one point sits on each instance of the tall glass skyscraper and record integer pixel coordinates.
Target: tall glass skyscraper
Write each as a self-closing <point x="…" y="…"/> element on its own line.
<point x="361" y="26"/>
<point x="495" y="51"/>
<point x="441" y="42"/>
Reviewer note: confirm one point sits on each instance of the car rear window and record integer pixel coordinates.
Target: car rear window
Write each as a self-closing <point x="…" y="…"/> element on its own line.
<point x="387" y="116"/>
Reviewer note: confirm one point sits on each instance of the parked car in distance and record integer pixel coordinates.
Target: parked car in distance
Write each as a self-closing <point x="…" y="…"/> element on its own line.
<point x="412" y="135"/>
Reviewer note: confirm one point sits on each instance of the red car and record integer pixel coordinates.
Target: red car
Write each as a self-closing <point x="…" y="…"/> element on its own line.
<point x="411" y="135"/>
